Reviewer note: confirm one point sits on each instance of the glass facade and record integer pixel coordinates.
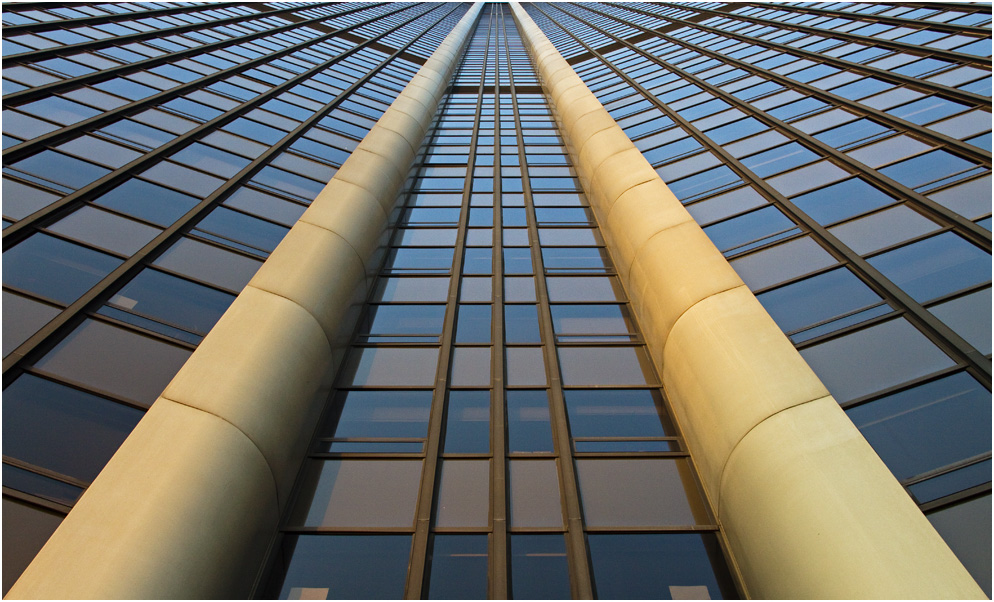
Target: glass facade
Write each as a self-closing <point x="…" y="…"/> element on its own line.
<point x="154" y="156"/>
<point x="497" y="428"/>
<point x="498" y="384"/>
<point x="839" y="156"/>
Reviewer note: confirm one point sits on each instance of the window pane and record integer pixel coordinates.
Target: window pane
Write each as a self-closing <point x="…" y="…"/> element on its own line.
<point x="380" y="414"/>
<point x="843" y="200"/>
<point x="458" y="568"/>
<point x="54" y="268"/>
<point x="605" y="366"/>
<point x="883" y="229"/>
<point x="873" y="359"/>
<point x="209" y="263"/>
<point x="361" y="567"/>
<point x="966" y="527"/>
<point x="539" y="568"/>
<point x="467" y="429"/>
<point x="63" y="429"/>
<point x="147" y="201"/>
<point x="106" y="230"/>
<point x="22" y="318"/>
<point x="534" y="493"/>
<point x="391" y="366"/>
<point x="115" y="360"/>
<point x="782" y="262"/>
<point x="594" y="320"/>
<point x="970" y="317"/>
<point x="935" y="266"/>
<point x="928" y="426"/>
<point x="473" y="324"/>
<point x="650" y="566"/>
<point x="471" y="366"/>
<point x="463" y="494"/>
<point x="639" y="493"/>
<point x="525" y="366"/>
<point x="173" y="300"/>
<point x="528" y="425"/>
<point x="521" y="324"/>
<point x="596" y="288"/>
<point x="412" y="289"/>
<point x="26" y="529"/>
<point x="402" y="322"/>
<point x="817" y="299"/>
<point x="617" y="413"/>
<point x="358" y="493"/>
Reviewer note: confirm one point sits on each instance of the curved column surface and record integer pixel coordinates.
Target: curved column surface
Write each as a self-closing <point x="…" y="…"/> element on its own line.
<point x="190" y="503"/>
<point x="807" y="507"/>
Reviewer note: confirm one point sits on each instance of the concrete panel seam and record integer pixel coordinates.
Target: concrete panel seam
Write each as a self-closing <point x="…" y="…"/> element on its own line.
<point x="272" y="472"/>
<point x="362" y="262"/>
<point x="331" y="344"/>
<point x="731" y="450"/>
<point x="635" y="254"/>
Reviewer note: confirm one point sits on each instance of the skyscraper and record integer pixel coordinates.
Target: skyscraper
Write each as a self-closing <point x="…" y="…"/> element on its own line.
<point x="501" y="339"/>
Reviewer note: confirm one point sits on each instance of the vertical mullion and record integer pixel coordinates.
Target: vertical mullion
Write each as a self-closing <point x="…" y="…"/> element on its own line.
<point x="498" y="439"/>
<point x="430" y="473"/>
<point x="581" y="584"/>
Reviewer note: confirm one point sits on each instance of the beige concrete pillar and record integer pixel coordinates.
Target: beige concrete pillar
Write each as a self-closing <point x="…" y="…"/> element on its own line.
<point x="189" y="505"/>
<point x="808" y="508"/>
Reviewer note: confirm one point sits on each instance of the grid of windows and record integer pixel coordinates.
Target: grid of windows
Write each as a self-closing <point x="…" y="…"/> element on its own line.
<point x="497" y="408"/>
<point x="150" y="168"/>
<point x="840" y="159"/>
<point x="497" y="425"/>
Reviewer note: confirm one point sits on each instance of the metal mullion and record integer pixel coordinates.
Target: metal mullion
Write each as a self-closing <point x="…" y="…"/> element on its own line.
<point x="957" y="57"/>
<point x="85" y="388"/>
<point x="71" y="316"/>
<point x="340" y="530"/>
<point x="10" y="30"/>
<point x="17" y="231"/>
<point x="498" y="565"/>
<point x="911" y="384"/>
<point x="30" y="94"/>
<point x="416" y="577"/>
<point x="970" y="98"/>
<point x="35" y="500"/>
<point x="936" y="330"/>
<point x="954" y="498"/>
<point x="958" y="147"/>
<point x="45" y="472"/>
<point x="580" y="577"/>
<point x="38" y="143"/>
<point x="935" y="472"/>
<point x="896" y="21"/>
